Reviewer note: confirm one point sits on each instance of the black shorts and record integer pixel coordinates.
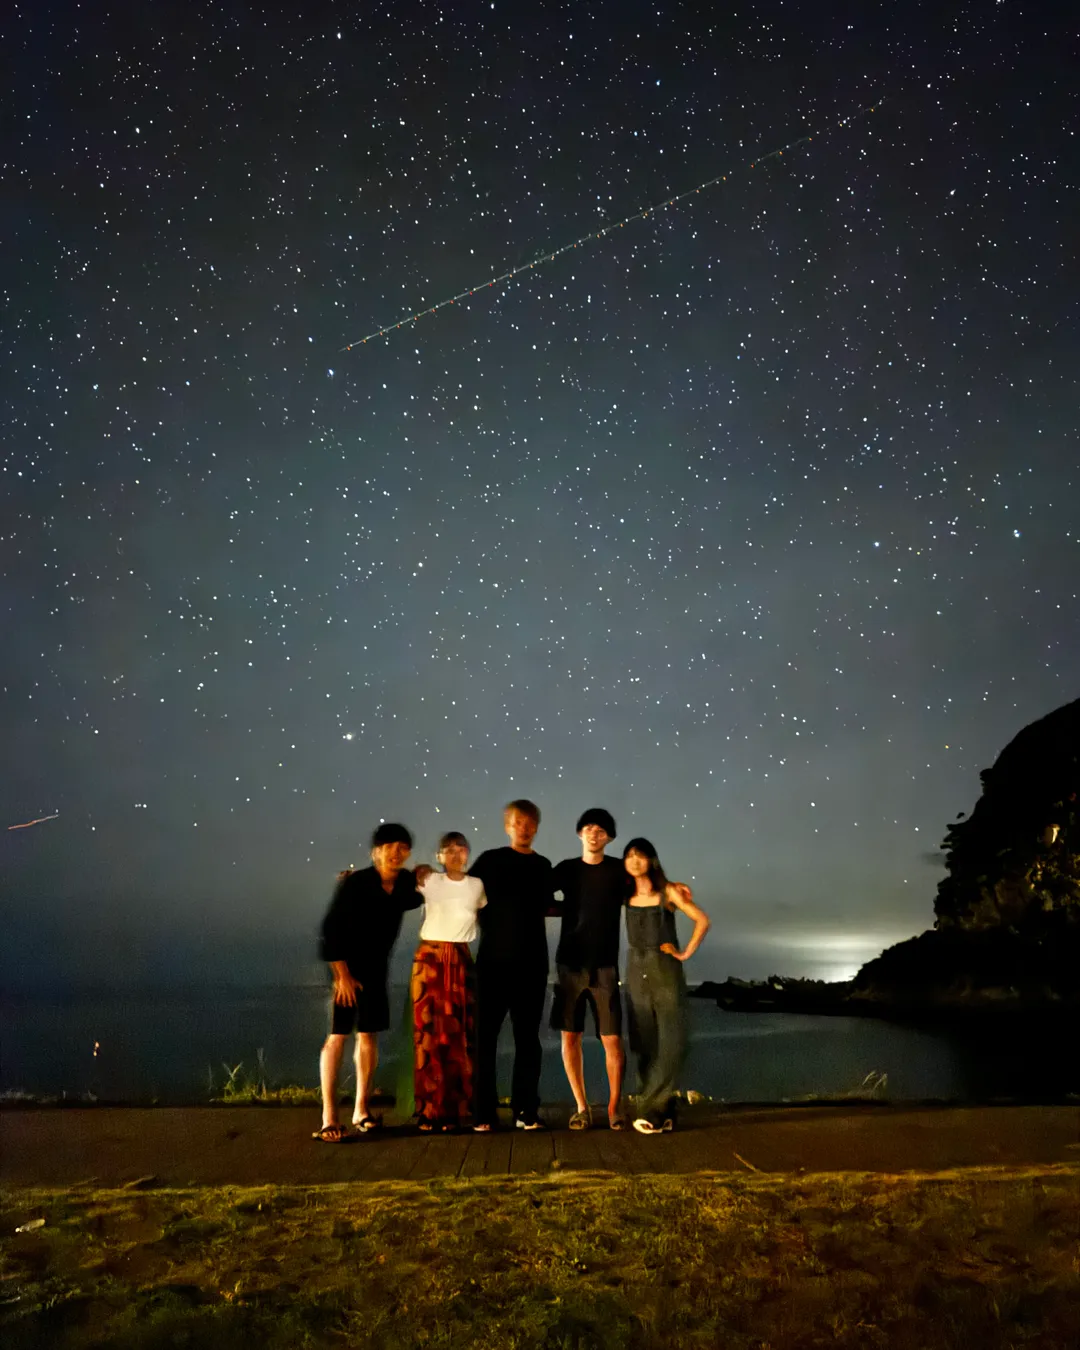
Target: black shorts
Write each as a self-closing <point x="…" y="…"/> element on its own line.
<point x="371" y="1013"/>
<point x="577" y="989"/>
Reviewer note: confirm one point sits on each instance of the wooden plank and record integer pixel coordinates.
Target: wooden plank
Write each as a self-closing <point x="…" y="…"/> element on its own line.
<point x="253" y="1146"/>
<point x="443" y="1157"/>
<point x="393" y="1156"/>
<point x="619" y="1151"/>
<point x="578" y="1149"/>
<point x="337" y="1162"/>
<point x="499" y="1147"/>
<point x="488" y="1155"/>
<point x="470" y="1154"/>
<point x="531" y="1151"/>
<point x="696" y="1150"/>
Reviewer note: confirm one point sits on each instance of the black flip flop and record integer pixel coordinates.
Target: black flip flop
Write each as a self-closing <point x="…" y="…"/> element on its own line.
<point x="331" y="1134"/>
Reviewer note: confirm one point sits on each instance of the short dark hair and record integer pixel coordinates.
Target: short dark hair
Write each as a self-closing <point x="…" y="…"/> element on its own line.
<point x="452" y="837"/>
<point x="525" y="807"/>
<point x="596" y="815"/>
<point x="389" y="833"/>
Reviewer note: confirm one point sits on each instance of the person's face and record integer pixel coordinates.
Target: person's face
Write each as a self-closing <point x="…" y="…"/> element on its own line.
<point x="594" y="837"/>
<point x="636" y="863"/>
<point x="389" y="858"/>
<point x="520" y="829"/>
<point x="454" y="857"/>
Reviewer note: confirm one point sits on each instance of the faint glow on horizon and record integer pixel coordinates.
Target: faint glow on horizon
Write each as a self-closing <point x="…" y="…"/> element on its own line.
<point x="839" y="974"/>
<point x="848" y="943"/>
<point x="815" y="956"/>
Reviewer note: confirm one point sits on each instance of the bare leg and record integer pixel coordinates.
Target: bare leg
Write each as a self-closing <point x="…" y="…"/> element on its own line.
<point x="367" y="1061"/>
<point x="329" y="1064"/>
<point x="615" y="1061"/>
<point x="575" y="1068"/>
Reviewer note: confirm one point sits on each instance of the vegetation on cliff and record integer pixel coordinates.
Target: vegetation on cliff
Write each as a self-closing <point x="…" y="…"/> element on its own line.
<point x="1007" y="927"/>
<point x="1014" y="863"/>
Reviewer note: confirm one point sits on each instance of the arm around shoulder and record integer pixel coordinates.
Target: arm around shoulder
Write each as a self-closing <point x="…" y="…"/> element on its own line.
<point x="415" y="898"/>
<point x="554" y="883"/>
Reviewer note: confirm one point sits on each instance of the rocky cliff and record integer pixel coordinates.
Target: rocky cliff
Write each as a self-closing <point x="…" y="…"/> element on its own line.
<point x="1008" y="912"/>
<point x="1015" y="862"/>
<point x="1007" y="929"/>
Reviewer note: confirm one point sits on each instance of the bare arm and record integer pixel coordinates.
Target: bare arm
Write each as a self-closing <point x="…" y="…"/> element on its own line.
<point x="678" y="896"/>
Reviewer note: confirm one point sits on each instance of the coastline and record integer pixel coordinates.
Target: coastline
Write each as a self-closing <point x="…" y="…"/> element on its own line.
<point x="811" y="998"/>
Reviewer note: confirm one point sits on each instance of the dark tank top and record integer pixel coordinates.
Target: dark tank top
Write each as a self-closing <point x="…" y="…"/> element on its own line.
<point x="649" y="926"/>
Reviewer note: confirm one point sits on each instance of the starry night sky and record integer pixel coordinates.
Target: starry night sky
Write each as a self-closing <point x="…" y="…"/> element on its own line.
<point x="756" y="521"/>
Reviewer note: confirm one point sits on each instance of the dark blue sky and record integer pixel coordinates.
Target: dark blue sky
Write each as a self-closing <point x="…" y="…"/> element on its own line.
<point x="757" y="521"/>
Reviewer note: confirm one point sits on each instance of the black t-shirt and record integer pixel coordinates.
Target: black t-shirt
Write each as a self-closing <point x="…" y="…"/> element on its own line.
<point x="519" y="896"/>
<point x="363" y="921"/>
<point x="593" y="899"/>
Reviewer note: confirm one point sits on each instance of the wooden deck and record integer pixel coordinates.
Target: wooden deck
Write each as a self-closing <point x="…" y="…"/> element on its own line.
<point x="252" y="1145"/>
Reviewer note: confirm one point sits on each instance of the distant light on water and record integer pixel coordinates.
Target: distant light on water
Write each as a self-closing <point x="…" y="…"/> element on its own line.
<point x="835" y="957"/>
<point x="836" y="974"/>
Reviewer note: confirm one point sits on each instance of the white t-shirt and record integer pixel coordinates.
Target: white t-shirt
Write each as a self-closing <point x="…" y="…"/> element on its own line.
<point x="450" y="908"/>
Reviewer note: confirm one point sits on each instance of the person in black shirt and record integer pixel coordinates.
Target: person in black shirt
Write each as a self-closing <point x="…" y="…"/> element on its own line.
<point x="358" y="935"/>
<point x="512" y="965"/>
<point x="587" y="961"/>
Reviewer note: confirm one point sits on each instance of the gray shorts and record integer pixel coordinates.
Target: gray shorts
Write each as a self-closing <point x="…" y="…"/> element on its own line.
<point x="575" y="990"/>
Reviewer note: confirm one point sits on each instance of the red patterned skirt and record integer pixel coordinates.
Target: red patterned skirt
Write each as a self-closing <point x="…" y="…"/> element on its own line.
<point x="443" y="991"/>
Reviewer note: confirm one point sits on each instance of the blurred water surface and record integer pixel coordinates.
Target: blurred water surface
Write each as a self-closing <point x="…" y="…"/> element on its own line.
<point x="177" y="1046"/>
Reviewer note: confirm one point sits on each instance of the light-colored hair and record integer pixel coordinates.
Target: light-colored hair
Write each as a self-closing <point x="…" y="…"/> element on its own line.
<point x="524" y="807"/>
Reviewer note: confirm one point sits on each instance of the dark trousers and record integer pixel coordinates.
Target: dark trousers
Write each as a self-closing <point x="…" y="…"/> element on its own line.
<point x="502" y="989"/>
<point x="656" y="1002"/>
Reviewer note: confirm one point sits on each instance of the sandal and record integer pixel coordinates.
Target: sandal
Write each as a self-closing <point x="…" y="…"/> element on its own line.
<point x="368" y="1123"/>
<point x="617" y="1123"/>
<point x="646" y="1126"/>
<point x="581" y="1120"/>
<point x="331" y="1134"/>
<point x="483" y="1127"/>
<point x="426" y="1126"/>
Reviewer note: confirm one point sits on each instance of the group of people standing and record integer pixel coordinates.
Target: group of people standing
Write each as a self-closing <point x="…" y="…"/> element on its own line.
<point x="459" y="1005"/>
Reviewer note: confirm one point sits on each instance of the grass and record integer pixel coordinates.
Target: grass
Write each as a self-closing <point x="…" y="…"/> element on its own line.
<point x="242" y="1087"/>
<point x="568" y="1261"/>
<point x="873" y="1088"/>
<point x="246" y="1087"/>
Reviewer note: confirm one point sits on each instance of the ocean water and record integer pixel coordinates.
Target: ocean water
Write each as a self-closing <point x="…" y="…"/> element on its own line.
<point x="178" y="1046"/>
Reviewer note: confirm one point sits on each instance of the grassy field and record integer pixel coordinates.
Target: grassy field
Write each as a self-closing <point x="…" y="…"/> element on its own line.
<point x="985" y="1258"/>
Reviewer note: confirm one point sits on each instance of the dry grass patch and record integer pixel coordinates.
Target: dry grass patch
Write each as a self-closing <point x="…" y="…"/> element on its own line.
<point x="984" y="1257"/>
